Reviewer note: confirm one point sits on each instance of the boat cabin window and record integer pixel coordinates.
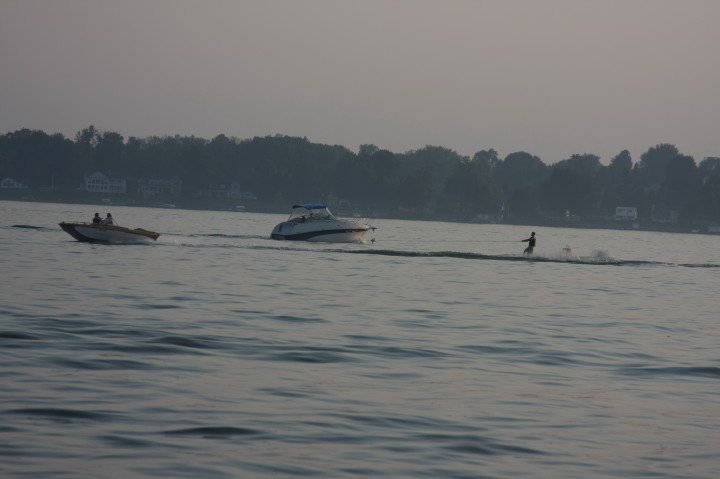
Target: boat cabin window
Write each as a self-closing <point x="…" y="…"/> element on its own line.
<point x="301" y="214"/>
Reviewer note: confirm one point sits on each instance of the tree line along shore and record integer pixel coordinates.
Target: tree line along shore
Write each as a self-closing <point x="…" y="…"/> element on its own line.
<point x="663" y="190"/>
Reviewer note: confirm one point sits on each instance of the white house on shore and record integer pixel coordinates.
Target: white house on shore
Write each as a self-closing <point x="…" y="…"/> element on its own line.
<point x="10" y="184"/>
<point x="149" y="188"/>
<point x="626" y="213"/>
<point x="100" y="183"/>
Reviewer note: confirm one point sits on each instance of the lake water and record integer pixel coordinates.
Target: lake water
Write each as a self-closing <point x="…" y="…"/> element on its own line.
<point x="438" y="351"/>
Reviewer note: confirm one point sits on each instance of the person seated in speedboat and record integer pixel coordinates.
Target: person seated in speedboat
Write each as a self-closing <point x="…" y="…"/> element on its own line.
<point x="108" y="220"/>
<point x="96" y="219"/>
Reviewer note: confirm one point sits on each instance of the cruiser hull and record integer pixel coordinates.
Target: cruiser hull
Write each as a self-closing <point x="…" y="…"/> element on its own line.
<point x="346" y="235"/>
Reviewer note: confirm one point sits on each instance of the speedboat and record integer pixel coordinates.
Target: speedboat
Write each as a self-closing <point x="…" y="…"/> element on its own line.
<point x="99" y="233"/>
<point x="315" y="222"/>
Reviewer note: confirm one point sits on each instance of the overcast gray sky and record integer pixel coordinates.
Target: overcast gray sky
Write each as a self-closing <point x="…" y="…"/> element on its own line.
<point x="550" y="77"/>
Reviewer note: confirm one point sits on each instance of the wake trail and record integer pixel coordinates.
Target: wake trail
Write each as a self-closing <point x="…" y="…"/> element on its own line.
<point x="597" y="258"/>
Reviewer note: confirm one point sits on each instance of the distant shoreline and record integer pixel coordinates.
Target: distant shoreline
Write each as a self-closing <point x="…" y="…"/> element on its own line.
<point x="259" y="207"/>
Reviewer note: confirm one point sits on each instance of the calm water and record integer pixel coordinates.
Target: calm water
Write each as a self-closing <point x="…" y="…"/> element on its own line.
<point x="438" y="351"/>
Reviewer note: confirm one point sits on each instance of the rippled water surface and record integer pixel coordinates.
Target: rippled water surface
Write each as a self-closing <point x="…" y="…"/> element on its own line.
<point x="437" y="351"/>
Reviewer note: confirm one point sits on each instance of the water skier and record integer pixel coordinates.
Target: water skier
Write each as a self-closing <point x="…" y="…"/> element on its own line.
<point x="531" y="244"/>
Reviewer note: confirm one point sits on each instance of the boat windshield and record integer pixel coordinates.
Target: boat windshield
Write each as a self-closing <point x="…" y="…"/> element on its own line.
<point x="310" y="212"/>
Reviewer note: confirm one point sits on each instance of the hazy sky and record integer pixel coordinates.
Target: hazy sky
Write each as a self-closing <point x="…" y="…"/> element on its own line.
<point x="550" y="77"/>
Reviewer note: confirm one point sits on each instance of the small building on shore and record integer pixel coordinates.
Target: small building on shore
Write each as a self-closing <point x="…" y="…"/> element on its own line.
<point x="11" y="184"/>
<point x="626" y="213"/>
<point x="101" y="183"/>
<point x="152" y="188"/>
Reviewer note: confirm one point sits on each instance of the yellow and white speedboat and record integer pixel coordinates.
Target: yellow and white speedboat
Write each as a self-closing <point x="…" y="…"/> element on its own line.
<point x="99" y="233"/>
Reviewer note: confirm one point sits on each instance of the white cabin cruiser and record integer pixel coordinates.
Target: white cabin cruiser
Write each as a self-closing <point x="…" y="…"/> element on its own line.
<point x="315" y="222"/>
<point x="99" y="233"/>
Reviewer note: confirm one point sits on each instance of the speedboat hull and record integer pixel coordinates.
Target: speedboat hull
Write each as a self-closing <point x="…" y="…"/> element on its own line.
<point x="94" y="233"/>
<point x="336" y="232"/>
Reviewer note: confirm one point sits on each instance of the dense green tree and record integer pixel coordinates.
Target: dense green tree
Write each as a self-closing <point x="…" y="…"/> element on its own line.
<point x="226" y="152"/>
<point x="519" y="175"/>
<point x="367" y="150"/>
<point x="620" y="168"/>
<point x="680" y="185"/>
<point x="60" y="152"/>
<point x="708" y="167"/>
<point x="653" y="162"/>
<point x="615" y="182"/>
<point x="443" y="159"/>
<point x="585" y="164"/>
<point x="489" y="158"/>
<point x="36" y="158"/>
<point x="419" y="188"/>
<point x="385" y="186"/>
<point x="471" y="190"/>
<point x="570" y="190"/>
<point x="435" y="162"/>
<point x="87" y="137"/>
<point x="523" y="202"/>
<point x="520" y="170"/>
<point x="707" y="204"/>
<point x="108" y="154"/>
<point x="354" y="181"/>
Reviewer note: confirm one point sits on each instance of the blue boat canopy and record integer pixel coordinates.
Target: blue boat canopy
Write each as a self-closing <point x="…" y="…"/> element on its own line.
<point x="311" y="206"/>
